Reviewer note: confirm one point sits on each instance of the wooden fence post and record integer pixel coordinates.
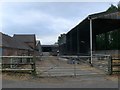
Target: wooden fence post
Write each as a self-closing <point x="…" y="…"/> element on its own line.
<point x="11" y="62"/>
<point x="110" y="65"/>
<point x="33" y="66"/>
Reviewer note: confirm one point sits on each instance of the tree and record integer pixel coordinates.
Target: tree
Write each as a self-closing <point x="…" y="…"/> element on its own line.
<point x="112" y="8"/>
<point x="118" y="5"/>
<point x="111" y="38"/>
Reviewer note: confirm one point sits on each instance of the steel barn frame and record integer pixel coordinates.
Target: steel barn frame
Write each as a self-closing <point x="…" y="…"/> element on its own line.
<point x="81" y="40"/>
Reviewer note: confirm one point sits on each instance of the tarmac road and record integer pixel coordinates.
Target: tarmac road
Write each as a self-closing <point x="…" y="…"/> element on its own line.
<point x="71" y="82"/>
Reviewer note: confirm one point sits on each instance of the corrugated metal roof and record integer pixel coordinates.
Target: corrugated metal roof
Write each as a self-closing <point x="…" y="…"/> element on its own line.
<point x="106" y="15"/>
<point x="10" y="42"/>
<point x="102" y="22"/>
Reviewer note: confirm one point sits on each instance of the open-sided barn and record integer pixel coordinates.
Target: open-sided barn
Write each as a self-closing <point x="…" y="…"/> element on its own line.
<point x="82" y="38"/>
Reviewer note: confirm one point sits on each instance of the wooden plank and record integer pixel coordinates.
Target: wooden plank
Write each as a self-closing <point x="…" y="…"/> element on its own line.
<point x="116" y="71"/>
<point x="18" y="64"/>
<point x="19" y="56"/>
<point x="17" y="69"/>
<point x="16" y="56"/>
<point x="116" y="65"/>
<point x="115" y="59"/>
<point x="33" y="68"/>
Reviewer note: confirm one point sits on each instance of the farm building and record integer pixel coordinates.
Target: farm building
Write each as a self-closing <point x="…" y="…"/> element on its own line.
<point x="11" y="47"/>
<point x="38" y="49"/>
<point x="62" y="44"/>
<point x="51" y="49"/>
<point x="84" y="37"/>
<point x="18" y="46"/>
<point x="29" y="40"/>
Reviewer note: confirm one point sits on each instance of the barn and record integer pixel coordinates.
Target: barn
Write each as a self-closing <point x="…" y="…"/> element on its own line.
<point x="11" y="47"/>
<point x="82" y="39"/>
<point x="18" y="45"/>
<point x="50" y="49"/>
<point x="28" y="39"/>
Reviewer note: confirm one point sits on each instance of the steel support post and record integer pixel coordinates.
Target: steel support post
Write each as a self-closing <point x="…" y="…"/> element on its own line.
<point x="91" y="54"/>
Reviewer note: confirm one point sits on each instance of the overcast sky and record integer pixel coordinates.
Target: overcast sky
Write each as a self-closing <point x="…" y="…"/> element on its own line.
<point x="46" y="19"/>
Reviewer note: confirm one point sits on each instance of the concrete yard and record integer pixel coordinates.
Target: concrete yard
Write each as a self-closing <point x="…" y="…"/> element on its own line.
<point x="54" y="66"/>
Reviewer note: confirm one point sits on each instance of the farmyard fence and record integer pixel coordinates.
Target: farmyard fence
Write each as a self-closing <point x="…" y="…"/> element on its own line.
<point x="114" y="66"/>
<point x="24" y="64"/>
<point x="60" y="66"/>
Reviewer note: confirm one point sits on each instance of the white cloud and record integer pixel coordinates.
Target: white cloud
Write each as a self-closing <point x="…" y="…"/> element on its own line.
<point x="47" y="40"/>
<point x="47" y="25"/>
<point x="32" y="17"/>
<point x="35" y="19"/>
<point x="59" y="1"/>
<point x="0" y="17"/>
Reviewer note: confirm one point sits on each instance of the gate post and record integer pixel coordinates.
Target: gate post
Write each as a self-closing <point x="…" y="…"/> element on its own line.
<point x="11" y="62"/>
<point x="33" y="66"/>
<point x="110" y="65"/>
<point x="74" y="62"/>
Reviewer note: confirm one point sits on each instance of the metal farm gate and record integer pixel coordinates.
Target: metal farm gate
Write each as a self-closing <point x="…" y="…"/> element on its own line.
<point x="50" y="66"/>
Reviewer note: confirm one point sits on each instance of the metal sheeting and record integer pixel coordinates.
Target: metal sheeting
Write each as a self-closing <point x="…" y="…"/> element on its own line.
<point x="112" y="16"/>
<point x="106" y="15"/>
<point x="102" y="22"/>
